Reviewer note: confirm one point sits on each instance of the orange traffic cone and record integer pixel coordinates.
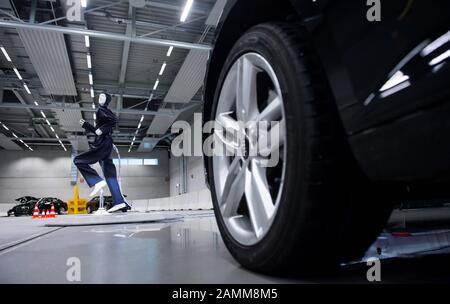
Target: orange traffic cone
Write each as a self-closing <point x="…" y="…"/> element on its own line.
<point x="52" y="212"/>
<point x="36" y="212"/>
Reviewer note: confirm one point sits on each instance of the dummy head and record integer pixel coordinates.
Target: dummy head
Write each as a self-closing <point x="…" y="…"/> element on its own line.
<point x="104" y="99"/>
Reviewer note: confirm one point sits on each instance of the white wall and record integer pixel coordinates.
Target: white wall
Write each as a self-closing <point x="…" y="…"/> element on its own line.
<point x="195" y="170"/>
<point x="47" y="173"/>
<point x="196" y="174"/>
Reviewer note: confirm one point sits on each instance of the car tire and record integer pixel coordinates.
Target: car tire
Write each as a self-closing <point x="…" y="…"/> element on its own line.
<point x="328" y="211"/>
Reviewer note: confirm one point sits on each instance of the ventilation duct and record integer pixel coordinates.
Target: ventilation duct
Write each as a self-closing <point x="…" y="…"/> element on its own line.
<point x="69" y="120"/>
<point x="189" y="79"/>
<point x="162" y="123"/>
<point x="216" y="13"/>
<point x="8" y="144"/>
<point x="48" y="54"/>
<point x="148" y="144"/>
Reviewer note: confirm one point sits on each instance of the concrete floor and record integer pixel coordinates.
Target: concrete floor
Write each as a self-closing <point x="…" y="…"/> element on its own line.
<point x="184" y="249"/>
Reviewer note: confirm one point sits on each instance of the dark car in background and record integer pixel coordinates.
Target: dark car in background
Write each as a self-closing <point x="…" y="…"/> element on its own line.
<point x="25" y="199"/>
<point x="46" y="203"/>
<point x="25" y="206"/>
<point x="94" y="203"/>
<point x="360" y="112"/>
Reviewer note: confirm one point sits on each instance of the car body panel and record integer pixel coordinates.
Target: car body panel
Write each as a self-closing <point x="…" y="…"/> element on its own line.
<point x="390" y="134"/>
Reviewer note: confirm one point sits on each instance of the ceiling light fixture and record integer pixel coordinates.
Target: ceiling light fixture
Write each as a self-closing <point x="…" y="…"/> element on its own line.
<point x="83" y="3"/>
<point x="86" y="41"/>
<point x="156" y="85"/>
<point x="43" y="114"/>
<point x="89" y="62"/>
<point x="36" y="103"/>
<point x="162" y="69"/>
<point x="18" y="74"/>
<point x="6" y="54"/>
<point x="92" y="93"/>
<point x="169" y="52"/>
<point x="91" y="79"/>
<point x="186" y="10"/>
<point x="27" y="89"/>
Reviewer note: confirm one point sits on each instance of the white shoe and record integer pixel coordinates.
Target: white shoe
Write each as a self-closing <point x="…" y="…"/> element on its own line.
<point x="119" y="207"/>
<point x="97" y="188"/>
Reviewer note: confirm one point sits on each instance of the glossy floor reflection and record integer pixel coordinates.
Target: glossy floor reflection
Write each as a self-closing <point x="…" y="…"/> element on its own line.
<point x="184" y="250"/>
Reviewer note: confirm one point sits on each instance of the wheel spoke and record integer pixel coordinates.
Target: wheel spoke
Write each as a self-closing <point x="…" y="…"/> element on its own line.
<point x="259" y="201"/>
<point x="234" y="188"/>
<point x="260" y="182"/>
<point x="229" y="132"/>
<point x="227" y="122"/>
<point x="246" y="103"/>
<point x="272" y="111"/>
<point x="274" y="139"/>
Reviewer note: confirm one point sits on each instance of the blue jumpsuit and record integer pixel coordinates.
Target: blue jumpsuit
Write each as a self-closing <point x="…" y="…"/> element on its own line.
<point x="100" y="151"/>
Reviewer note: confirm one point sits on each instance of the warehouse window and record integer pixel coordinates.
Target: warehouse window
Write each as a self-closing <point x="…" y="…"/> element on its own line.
<point x="134" y="161"/>
<point x="151" y="162"/>
<point x="137" y="161"/>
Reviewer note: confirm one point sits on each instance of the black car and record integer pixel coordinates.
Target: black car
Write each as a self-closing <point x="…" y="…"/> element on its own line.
<point x="360" y="111"/>
<point x="24" y="207"/>
<point x="25" y="199"/>
<point x="45" y="204"/>
<point x="94" y="203"/>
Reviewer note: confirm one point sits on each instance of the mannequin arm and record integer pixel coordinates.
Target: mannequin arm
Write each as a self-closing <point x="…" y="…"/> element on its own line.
<point x="88" y="127"/>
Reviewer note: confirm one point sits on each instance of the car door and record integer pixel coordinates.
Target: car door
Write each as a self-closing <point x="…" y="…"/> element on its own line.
<point x="390" y="81"/>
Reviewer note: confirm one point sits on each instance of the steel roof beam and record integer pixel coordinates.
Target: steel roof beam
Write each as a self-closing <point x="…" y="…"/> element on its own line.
<point x="67" y="107"/>
<point x="105" y="35"/>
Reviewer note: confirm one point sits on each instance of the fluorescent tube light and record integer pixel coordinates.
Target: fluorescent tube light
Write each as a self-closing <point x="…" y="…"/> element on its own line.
<point x="186" y="10"/>
<point x="156" y="85"/>
<point x="6" y="54"/>
<point x="162" y="69"/>
<point x="18" y="74"/>
<point x="89" y="62"/>
<point x="27" y="89"/>
<point x="169" y="52"/>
